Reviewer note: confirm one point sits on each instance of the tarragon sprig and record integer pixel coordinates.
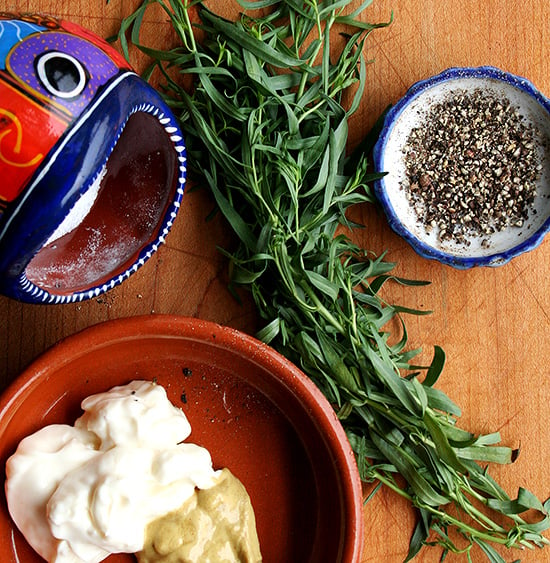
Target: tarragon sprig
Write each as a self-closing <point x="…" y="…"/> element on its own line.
<point x="267" y="131"/>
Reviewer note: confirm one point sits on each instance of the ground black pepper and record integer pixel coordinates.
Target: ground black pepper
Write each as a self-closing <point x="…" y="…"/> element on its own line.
<point x="472" y="166"/>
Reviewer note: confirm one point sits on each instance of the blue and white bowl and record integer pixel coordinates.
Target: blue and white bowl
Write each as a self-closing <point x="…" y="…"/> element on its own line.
<point x="408" y="113"/>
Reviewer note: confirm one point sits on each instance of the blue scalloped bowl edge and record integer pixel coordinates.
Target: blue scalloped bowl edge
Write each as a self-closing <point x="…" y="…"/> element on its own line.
<point x="424" y="250"/>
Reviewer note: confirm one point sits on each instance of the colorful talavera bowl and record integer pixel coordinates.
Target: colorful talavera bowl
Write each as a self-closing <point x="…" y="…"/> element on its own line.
<point x="410" y="113"/>
<point x="92" y="163"/>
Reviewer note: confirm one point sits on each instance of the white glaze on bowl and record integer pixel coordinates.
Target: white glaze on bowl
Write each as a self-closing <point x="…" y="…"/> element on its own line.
<point x="409" y="113"/>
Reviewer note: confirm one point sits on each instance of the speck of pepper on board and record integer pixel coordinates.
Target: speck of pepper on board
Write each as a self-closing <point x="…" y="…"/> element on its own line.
<point x="472" y="166"/>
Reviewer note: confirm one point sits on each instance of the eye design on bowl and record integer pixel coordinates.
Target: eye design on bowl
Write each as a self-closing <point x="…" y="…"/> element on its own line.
<point x="92" y="164"/>
<point x="61" y="74"/>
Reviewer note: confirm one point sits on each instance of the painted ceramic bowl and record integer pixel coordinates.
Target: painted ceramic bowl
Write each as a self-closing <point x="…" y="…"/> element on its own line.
<point x="466" y="157"/>
<point x="92" y="163"/>
<point x="256" y="412"/>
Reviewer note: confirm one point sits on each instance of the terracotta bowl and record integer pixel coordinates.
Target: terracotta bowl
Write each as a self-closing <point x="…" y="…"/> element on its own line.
<point x="255" y="411"/>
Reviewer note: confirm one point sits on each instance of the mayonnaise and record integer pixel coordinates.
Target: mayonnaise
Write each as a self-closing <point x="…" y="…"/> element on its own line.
<point x="80" y="493"/>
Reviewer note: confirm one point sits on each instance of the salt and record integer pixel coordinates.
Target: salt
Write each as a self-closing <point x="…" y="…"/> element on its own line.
<point x="80" y="209"/>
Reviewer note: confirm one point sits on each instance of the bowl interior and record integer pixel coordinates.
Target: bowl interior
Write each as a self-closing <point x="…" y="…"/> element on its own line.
<point x="411" y="114"/>
<point x="134" y="192"/>
<point x="254" y="411"/>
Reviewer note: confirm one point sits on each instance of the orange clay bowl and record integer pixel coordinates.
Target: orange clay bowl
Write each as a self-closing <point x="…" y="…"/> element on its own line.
<point x="255" y="411"/>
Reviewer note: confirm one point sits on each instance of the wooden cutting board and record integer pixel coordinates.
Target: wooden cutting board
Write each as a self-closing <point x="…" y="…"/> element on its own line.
<point x="494" y="324"/>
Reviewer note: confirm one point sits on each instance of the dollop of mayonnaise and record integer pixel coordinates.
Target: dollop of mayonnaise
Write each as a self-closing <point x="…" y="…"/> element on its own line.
<point x="80" y="493"/>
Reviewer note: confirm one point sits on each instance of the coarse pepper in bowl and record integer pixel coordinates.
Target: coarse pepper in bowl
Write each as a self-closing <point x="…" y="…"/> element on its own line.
<point x="466" y="163"/>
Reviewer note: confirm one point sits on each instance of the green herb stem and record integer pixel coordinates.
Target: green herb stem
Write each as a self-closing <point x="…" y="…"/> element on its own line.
<point x="267" y="132"/>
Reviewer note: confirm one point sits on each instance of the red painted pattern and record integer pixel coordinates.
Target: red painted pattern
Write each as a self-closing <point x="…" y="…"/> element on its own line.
<point x="21" y="149"/>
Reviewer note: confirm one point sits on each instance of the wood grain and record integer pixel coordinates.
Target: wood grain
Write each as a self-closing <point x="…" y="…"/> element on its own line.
<point x="494" y="324"/>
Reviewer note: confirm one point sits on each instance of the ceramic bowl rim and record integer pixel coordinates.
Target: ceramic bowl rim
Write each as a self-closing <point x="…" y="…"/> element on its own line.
<point x="423" y="249"/>
<point x="312" y="400"/>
